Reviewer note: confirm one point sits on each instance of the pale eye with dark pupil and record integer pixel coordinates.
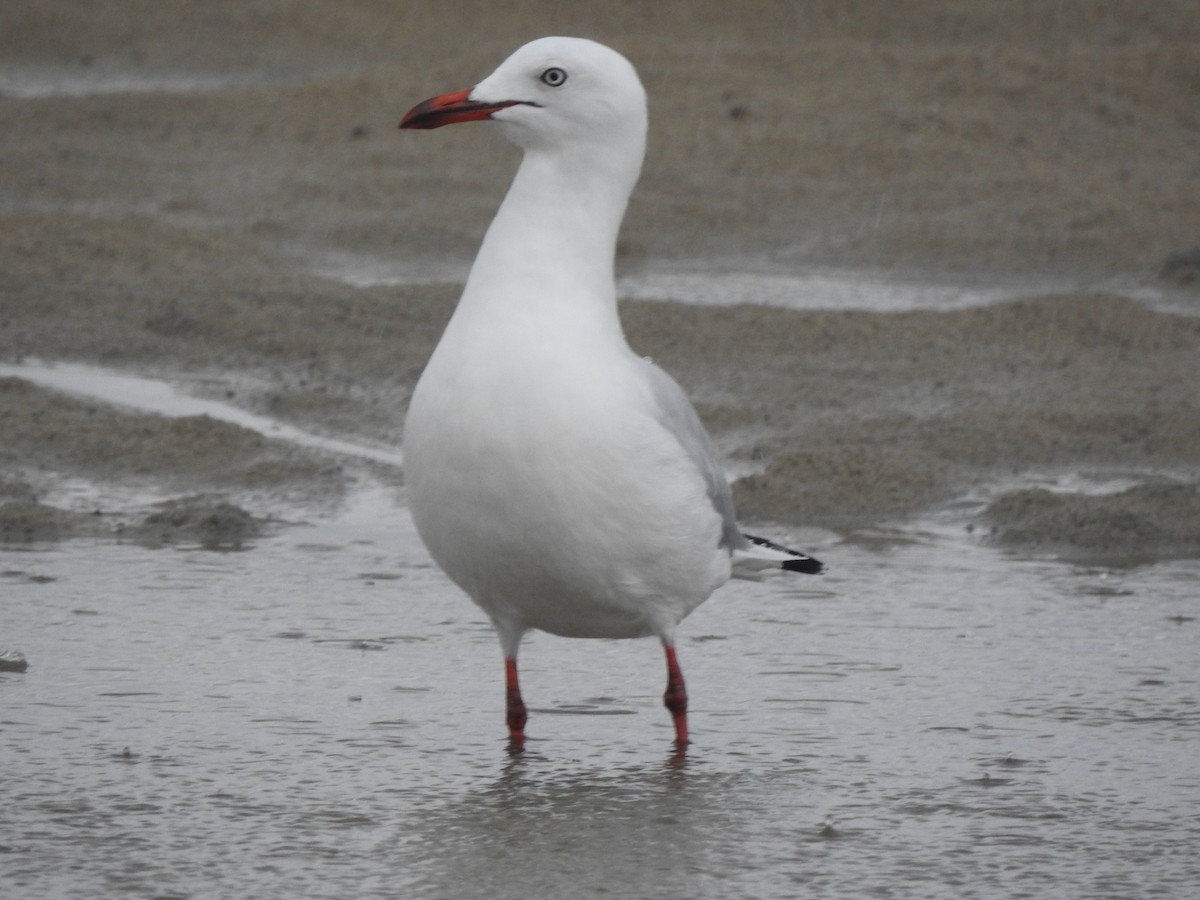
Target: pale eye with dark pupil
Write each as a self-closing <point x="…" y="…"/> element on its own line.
<point x="554" y="77"/>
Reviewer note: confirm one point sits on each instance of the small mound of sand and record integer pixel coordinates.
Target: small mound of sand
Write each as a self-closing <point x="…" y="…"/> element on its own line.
<point x="13" y="661"/>
<point x="215" y="525"/>
<point x="1141" y="524"/>
<point x="212" y="523"/>
<point x="27" y="522"/>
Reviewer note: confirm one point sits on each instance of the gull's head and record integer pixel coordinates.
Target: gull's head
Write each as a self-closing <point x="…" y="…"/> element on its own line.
<point x="552" y="92"/>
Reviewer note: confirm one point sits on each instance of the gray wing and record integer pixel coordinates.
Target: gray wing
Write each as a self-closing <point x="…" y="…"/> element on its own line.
<point x="678" y="416"/>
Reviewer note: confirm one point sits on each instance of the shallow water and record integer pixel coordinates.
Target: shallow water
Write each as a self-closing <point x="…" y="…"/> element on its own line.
<point x="321" y="716"/>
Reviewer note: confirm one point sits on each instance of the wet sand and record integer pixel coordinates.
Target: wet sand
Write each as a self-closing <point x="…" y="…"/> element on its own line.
<point x="181" y="233"/>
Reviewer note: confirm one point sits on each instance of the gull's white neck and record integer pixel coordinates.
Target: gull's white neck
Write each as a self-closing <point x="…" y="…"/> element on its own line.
<point x="548" y="254"/>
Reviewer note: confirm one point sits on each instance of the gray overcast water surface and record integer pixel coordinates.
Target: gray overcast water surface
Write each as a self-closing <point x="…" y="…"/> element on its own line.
<point x="321" y="716"/>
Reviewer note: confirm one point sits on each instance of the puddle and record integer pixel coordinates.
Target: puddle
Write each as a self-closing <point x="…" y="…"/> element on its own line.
<point x="154" y="396"/>
<point x="751" y="282"/>
<point x="700" y="285"/>
<point x="706" y="284"/>
<point x="361" y="271"/>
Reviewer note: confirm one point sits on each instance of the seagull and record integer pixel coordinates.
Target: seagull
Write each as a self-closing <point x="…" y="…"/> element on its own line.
<point x="564" y="482"/>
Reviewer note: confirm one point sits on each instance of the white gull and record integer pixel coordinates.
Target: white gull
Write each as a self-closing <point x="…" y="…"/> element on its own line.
<point x="561" y="480"/>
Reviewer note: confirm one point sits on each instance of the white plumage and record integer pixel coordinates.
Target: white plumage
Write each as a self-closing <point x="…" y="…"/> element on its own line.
<point x="565" y="483"/>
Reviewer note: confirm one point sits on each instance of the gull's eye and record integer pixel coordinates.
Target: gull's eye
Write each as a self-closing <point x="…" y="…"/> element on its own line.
<point x="554" y="77"/>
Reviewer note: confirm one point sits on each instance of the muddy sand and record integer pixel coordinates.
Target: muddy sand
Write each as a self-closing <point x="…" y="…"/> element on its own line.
<point x="181" y="184"/>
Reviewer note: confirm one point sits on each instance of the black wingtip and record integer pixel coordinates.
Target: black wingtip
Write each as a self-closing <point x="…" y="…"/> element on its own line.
<point x="805" y="564"/>
<point x="801" y="563"/>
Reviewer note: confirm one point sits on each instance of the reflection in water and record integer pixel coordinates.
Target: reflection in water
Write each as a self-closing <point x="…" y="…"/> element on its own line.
<point x="322" y="716"/>
<point x="552" y="831"/>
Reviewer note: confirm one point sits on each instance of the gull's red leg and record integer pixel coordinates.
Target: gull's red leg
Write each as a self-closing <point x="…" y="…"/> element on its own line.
<point x="515" y="706"/>
<point x="675" y="699"/>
